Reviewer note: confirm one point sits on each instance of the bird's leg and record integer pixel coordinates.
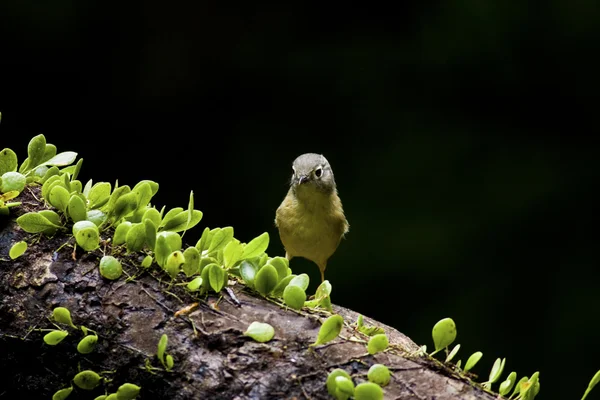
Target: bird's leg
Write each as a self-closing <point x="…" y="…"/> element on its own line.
<point x="287" y="255"/>
<point x="322" y="267"/>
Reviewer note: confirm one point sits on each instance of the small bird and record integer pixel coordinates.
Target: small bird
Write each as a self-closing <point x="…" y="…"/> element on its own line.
<point x="311" y="219"/>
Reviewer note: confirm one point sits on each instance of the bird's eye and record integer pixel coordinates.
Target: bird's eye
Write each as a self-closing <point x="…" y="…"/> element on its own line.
<point x="318" y="172"/>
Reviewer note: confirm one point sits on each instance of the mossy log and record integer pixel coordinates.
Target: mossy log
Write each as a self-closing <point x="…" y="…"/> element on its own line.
<point x="212" y="357"/>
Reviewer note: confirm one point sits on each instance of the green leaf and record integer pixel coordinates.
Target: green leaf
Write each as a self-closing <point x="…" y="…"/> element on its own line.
<point x="294" y="296"/>
<point x="259" y="331"/>
<point x="147" y="262"/>
<point x="452" y="353"/>
<point x="443" y="333"/>
<point x="87" y="344"/>
<point x="62" y="394"/>
<point x="279" y="289"/>
<point x="170" y="215"/>
<point x="59" y="198"/>
<point x="195" y="284"/>
<point x="49" y="184"/>
<point x="344" y="387"/>
<point x="331" y="382"/>
<point x="473" y="359"/>
<point x="12" y="181"/>
<point x="256" y="246"/>
<point x="282" y="266"/>
<point x="77" y="226"/>
<point x="153" y="215"/>
<point x="379" y="374"/>
<point x="135" y="237"/>
<point x="508" y="384"/>
<point x="161" y="250"/>
<point x="55" y="337"/>
<point x="8" y="161"/>
<point x="169" y="362"/>
<point x="173" y="263"/>
<point x="110" y="268"/>
<point x="151" y="229"/>
<point x="35" y="151"/>
<point x="128" y="391"/>
<point x="51" y="216"/>
<point x="301" y="280"/>
<point x="62" y="315"/>
<point x="115" y="196"/>
<point x="220" y="239"/>
<point x="87" y="380"/>
<point x="173" y="240"/>
<point x="203" y="242"/>
<point x="77" y="166"/>
<point x="62" y="159"/>
<point x="162" y="346"/>
<point x="143" y="193"/>
<point x="266" y="280"/>
<point x="248" y="273"/>
<point x="98" y="195"/>
<point x="377" y="343"/>
<point x="323" y="295"/>
<point x="17" y="250"/>
<point x="88" y="239"/>
<point x="368" y="391"/>
<point x="232" y="253"/>
<point x="330" y="329"/>
<point x="180" y="221"/>
<point x="35" y="223"/>
<point x="97" y="217"/>
<point x="124" y="206"/>
<point x="121" y="232"/>
<point x="369" y="330"/>
<point x="191" y="266"/>
<point x="76" y="208"/>
<point x="50" y="172"/>
<point x="217" y="277"/>
<point x="496" y="371"/>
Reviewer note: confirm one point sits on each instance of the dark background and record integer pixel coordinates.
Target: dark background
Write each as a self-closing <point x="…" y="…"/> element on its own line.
<point x="461" y="135"/>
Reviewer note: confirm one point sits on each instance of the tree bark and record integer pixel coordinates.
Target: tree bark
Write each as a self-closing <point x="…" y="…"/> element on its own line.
<point x="212" y="357"/>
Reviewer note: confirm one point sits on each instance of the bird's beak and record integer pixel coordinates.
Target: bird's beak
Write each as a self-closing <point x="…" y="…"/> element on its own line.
<point x="302" y="179"/>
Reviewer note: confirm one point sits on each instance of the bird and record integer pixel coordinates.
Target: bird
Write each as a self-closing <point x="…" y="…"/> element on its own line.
<point x="310" y="219"/>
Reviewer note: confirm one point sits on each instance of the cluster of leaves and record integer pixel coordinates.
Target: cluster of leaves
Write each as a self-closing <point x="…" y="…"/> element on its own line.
<point x="86" y="380"/>
<point x="444" y="334"/>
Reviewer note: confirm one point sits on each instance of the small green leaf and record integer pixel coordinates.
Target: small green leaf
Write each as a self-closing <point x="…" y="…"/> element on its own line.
<point x="97" y="217"/>
<point x="59" y="198"/>
<point x="248" y="273"/>
<point x="301" y="280"/>
<point x="379" y="374"/>
<point x="151" y="230"/>
<point x="170" y="215"/>
<point x="55" y="337"/>
<point x="162" y="346"/>
<point x="49" y="184"/>
<point x="77" y="166"/>
<point x="124" y="206"/>
<point x="330" y="329"/>
<point x="62" y="159"/>
<point x="121" y="232"/>
<point x="282" y="265"/>
<point x="232" y="253"/>
<point x="294" y="296"/>
<point x="135" y="237"/>
<point x="161" y="250"/>
<point x="323" y="295"/>
<point x="195" y="284"/>
<point x="35" y="151"/>
<point x="453" y="353"/>
<point x="191" y="266"/>
<point x="595" y="380"/>
<point x="203" y="242"/>
<point x="153" y="215"/>
<point x="17" y="250"/>
<point x="344" y="387"/>
<point x="52" y="216"/>
<point x="496" y="371"/>
<point x="256" y="246"/>
<point x="143" y="193"/>
<point x="88" y="238"/>
<point x="33" y="222"/>
<point x="62" y="394"/>
<point x="87" y="344"/>
<point x="368" y="391"/>
<point x="98" y="195"/>
<point x="169" y="362"/>
<point x="377" y="343"/>
<point x="147" y="261"/>
<point x="8" y="161"/>
<point x="473" y="359"/>
<point x="180" y="221"/>
<point x="12" y="181"/>
<point x="217" y="277"/>
<point x="76" y="208"/>
<point x="331" y="379"/>
<point x="279" y="289"/>
<point x="62" y="315"/>
<point x="220" y="239"/>
<point x="87" y="380"/>
<point x="173" y="240"/>
<point x="116" y="194"/>
<point x="508" y="384"/>
<point x="110" y="268"/>
<point x="173" y="263"/>
<point x="444" y="333"/>
<point x="266" y="280"/>
<point x="128" y="391"/>
<point x="261" y="332"/>
<point x="369" y="330"/>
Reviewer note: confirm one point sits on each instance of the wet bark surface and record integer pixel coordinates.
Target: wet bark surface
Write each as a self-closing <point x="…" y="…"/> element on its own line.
<point x="212" y="357"/>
